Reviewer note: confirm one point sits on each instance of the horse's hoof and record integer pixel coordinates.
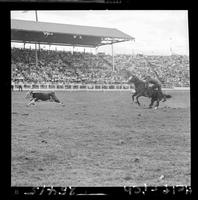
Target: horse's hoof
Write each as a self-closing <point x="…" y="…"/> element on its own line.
<point x="156" y="108"/>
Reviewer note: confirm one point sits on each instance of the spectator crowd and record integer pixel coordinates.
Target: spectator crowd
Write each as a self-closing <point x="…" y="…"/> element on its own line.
<point x="65" y="67"/>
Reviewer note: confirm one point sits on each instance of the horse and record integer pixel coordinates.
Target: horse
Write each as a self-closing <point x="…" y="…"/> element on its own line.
<point x="142" y="90"/>
<point x="42" y="96"/>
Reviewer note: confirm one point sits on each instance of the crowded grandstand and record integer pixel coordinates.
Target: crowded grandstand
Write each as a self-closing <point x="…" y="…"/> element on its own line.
<point x="65" y="67"/>
<point x="41" y="66"/>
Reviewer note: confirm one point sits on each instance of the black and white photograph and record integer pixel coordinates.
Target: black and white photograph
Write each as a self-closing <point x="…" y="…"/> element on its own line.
<point x="100" y="98"/>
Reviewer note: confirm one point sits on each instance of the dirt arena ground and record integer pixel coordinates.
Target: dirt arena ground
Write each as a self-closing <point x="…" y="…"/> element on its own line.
<point x="100" y="139"/>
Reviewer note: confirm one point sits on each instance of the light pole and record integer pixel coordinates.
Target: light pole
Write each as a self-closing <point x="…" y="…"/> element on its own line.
<point x="170" y="42"/>
<point x="36" y="14"/>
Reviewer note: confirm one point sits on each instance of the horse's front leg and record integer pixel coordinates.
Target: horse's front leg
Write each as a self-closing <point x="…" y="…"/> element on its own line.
<point x="137" y="101"/>
<point x="134" y="96"/>
<point x="157" y="104"/>
<point x="152" y="101"/>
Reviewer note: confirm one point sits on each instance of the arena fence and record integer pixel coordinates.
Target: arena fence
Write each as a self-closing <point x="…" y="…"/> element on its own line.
<point x="83" y="87"/>
<point x="74" y="87"/>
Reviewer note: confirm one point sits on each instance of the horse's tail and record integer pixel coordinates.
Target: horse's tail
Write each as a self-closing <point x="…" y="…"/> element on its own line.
<point x="167" y="96"/>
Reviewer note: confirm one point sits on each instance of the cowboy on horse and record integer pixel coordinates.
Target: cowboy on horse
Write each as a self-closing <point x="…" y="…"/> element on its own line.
<point x="142" y="88"/>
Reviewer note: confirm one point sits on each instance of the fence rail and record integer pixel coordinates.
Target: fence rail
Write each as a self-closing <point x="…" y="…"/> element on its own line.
<point x="83" y="87"/>
<point x="95" y="87"/>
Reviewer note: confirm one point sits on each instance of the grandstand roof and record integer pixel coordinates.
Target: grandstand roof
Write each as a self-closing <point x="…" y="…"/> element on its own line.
<point x="65" y="34"/>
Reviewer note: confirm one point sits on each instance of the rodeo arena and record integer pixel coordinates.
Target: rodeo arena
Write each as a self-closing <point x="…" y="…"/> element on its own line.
<point x="96" y="119"/>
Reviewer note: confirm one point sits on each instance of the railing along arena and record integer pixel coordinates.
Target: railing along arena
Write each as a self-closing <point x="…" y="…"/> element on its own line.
<point x="85" y="87"/>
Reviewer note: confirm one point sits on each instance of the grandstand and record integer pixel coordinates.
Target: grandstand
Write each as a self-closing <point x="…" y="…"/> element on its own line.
<point x="66" y="70"/>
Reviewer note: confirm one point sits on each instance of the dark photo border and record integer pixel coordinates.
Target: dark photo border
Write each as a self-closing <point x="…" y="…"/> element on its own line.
<point x="128" y="192"/>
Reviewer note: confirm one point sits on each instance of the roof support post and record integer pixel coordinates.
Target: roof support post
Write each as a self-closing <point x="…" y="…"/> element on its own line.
<point x="36" y="55"/>
<point x="112" y="57"/>
<point x="96" y="50"/>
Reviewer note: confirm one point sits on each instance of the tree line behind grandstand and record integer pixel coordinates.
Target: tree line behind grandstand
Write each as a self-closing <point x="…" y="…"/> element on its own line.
<point x="61" y="67"/>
